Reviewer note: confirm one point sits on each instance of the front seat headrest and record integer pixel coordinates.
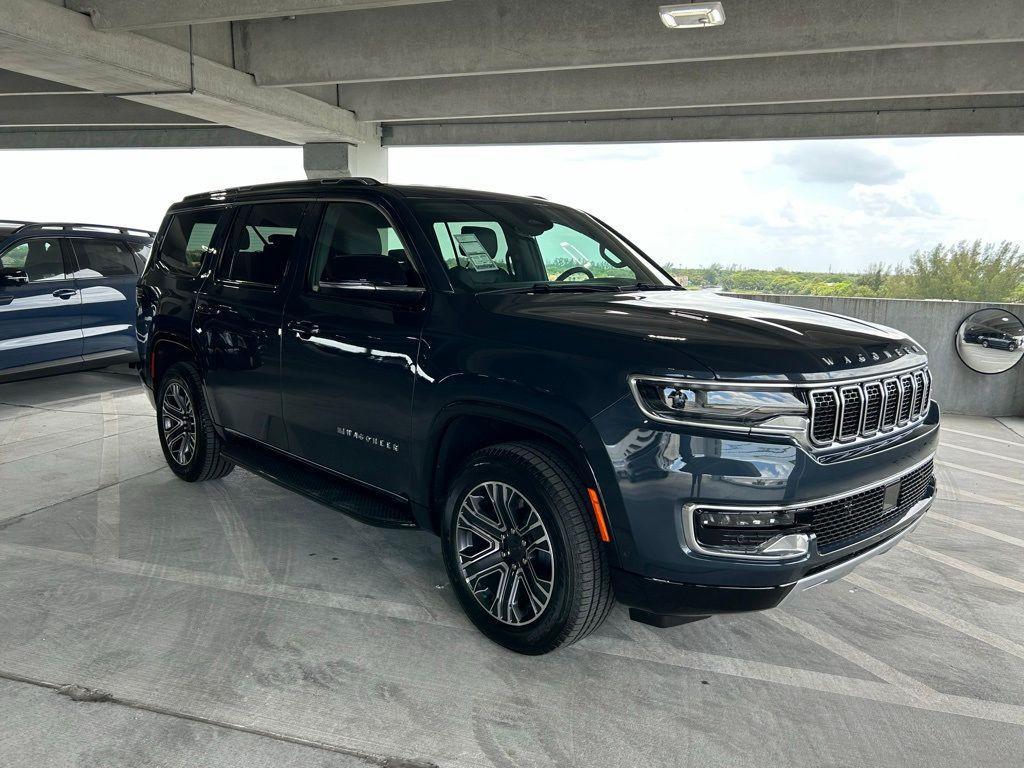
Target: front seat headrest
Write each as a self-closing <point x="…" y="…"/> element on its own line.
<point x="488" y="238"/>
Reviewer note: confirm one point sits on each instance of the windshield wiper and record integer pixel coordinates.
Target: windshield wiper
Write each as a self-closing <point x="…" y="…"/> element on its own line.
<point x="640" y="286"/>
<point x="557" y="288"/>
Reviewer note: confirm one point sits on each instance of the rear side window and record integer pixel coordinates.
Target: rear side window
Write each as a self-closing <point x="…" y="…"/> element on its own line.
<point x="261" y="243"/>
<point x="41" y="259"/>
<point x="103" y="258"/>
<point x="187" y="238"/>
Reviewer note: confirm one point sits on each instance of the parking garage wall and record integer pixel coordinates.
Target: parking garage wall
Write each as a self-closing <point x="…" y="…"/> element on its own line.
<point x="933" y="324"/>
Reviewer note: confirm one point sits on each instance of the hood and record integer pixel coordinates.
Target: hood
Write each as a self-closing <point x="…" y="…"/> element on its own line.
<point x="733" y="338"/>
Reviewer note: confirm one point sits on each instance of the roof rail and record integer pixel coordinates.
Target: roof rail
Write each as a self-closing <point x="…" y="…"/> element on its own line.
<point x="64" y="226"/>
<point x="14" y="223"/>
<point x="282" y="186"/>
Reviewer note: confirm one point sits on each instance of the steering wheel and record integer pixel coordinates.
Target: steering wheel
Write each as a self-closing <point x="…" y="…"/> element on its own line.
<point x="574" y="271"/>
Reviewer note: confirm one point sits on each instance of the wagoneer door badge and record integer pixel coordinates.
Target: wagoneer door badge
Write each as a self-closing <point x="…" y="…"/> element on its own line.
<point x="375" y="441"/>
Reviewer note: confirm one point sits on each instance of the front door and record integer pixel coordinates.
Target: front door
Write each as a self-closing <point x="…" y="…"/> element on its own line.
<point x="238" y="320"/>
<point x="348" y="356"/>
<point x="41" y="319"/>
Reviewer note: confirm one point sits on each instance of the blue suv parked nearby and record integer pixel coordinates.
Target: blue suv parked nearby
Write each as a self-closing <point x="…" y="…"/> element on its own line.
<point x="67" y="296"/>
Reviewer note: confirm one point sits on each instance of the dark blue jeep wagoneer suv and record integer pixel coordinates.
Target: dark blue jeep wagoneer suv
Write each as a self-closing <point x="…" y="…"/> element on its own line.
<point x="521" y="379"/>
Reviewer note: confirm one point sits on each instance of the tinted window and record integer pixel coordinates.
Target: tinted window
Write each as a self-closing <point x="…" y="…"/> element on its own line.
<point x="41" y="259"/>
<point x="261" y="243"/>
<point x="357" y="244"/>
<point x="187" y="238"/>
<point x="141" y="251"/>
<point x="103" y="258"/>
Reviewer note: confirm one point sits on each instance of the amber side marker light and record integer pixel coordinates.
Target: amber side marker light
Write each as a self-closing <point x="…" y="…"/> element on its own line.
<point x="602" y="526"/>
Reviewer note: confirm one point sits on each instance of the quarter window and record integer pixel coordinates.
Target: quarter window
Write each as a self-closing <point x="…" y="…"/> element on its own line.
<point x="262" y="243"/>
<point x="357" y="245"/>
<point x="187" y="238"/>
<point x="103" y="258"/>
<point x="41" y="259"/>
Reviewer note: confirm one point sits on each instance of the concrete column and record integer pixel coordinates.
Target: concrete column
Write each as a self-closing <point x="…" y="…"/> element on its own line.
<point x="326" y="161"/>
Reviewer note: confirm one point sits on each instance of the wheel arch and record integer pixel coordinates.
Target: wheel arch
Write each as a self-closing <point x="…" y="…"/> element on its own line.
<point x="464" y="427"/>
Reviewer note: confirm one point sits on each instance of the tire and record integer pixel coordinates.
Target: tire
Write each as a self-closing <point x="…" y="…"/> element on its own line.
<point x="190" y="444"/>
<point x="562" y="552"/>
<point x="984" y="343"/>
<point x="1012" y="347"/>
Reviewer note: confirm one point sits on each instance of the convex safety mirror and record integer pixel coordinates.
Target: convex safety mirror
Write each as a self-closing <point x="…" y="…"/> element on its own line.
<point x="990" y="340"/>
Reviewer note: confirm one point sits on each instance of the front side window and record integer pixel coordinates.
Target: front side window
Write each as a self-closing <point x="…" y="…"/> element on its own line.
<point x="357" y="245"/>
<point x="40" y="259"/>
<point x="490" y="245"/>
<point x="103" y="258"/>
<point x="187" y="239"/>
<point x="262" y="243"/>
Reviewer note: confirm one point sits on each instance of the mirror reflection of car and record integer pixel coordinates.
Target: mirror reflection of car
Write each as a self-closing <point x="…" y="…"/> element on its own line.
<point x="997" y="340"/>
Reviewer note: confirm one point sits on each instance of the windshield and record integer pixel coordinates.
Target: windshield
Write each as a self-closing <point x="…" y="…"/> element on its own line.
<point x="490" y="246"/>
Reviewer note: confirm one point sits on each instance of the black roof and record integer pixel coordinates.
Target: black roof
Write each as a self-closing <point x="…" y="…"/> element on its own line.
<point x="319" y="186"/>
<point x="8" y="228"/>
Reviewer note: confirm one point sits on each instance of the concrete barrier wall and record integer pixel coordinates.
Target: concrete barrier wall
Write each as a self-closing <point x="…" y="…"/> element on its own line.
<point x="933" y="324"/>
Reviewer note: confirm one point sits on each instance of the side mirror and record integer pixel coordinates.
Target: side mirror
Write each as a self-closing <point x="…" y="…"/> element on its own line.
<point x="13" y="276"/>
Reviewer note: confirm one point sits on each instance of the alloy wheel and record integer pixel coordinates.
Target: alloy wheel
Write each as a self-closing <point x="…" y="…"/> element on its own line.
<point x="179" y="423"/>
<point x="505" y="553"/>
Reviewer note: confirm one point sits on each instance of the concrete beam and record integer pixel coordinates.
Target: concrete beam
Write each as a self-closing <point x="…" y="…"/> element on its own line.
<point x="731" y="127"/>
<point x="49" y="42"/>
<point x="141" y="14"/>
<point x="332" y="161"/>
<point x="881" y="74"/>
<point x="82" y="109"/>
<point x="502" y="36"/>
<point x="135" y="138"/>
<point x="17" y="84"/>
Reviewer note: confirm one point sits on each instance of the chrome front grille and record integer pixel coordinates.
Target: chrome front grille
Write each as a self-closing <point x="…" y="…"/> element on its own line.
<point x="846" y="413"/>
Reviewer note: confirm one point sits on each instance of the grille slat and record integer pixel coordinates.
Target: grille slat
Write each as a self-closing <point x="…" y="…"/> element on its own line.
<point x="852" y="404"/>
<point x="872" y="407"/>
<point x="845" y="413"/>
<point x="837" y="523"/>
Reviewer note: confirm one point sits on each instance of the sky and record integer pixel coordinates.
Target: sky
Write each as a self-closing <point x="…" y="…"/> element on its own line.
<point x="824" y="205"/>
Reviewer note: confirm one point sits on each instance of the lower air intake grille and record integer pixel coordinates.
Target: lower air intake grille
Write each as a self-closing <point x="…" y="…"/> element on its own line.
<point x="843" y="521"/>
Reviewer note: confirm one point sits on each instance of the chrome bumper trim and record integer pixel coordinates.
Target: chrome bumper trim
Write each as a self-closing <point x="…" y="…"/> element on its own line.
<point x="836" y="572"/>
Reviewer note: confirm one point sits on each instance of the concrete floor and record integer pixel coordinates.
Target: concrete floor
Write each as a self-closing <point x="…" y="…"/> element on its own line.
<point x="237" y="624"/>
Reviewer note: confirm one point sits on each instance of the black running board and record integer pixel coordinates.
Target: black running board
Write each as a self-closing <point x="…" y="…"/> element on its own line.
<point x="331" y="491"/>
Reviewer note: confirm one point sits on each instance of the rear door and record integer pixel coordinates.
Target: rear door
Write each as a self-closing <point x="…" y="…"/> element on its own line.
<point x="41" y="320"/>
<point x="349" y="350"/>
<point x="238" y="319"/>
<point x="106" y="273"/>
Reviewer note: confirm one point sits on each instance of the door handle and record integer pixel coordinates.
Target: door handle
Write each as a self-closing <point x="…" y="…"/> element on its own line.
<point x="65" y="293"/>
<point x="303" y="328"/>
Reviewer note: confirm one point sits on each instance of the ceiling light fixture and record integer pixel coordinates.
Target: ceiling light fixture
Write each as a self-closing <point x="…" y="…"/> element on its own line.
<point x="690" y="15"/>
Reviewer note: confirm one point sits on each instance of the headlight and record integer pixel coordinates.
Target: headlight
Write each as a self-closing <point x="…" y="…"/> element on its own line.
<point x="713" y="404"/>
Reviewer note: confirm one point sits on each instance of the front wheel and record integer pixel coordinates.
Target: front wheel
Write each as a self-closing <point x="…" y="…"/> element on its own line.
<point x="984" y="343"/>
<point x="521" y="550"/>
<point x="189" y="442"/>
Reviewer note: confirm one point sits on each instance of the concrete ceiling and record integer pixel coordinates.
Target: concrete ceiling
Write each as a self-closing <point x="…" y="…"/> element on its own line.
<point x="415" y="72"/>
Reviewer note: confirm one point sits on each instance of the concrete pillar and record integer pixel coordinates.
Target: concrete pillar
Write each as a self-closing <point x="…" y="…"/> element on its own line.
<point x="326" y="161"/>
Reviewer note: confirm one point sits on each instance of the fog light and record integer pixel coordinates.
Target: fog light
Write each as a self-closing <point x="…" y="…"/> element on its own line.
<point x="689" y="15"/>
<point x="737" y="519"/>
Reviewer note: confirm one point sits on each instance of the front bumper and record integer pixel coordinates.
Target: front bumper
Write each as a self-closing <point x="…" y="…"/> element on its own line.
<point x="662" y="597"/>
<point x="658" y="474"/>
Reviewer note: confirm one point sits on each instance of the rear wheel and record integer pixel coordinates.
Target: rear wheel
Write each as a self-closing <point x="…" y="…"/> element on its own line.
<point x="520" y="549"/>
<point x="190" y="444"/>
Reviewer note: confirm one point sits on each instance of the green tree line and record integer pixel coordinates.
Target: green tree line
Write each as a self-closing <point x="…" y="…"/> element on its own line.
<point x="965" y="271"/>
